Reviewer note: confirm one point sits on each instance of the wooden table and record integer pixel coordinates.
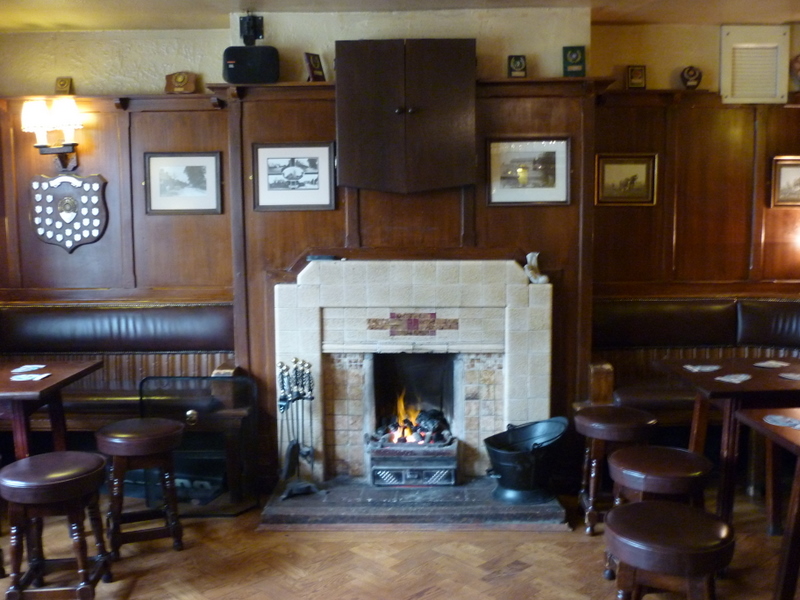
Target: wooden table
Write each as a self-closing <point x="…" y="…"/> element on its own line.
<point x="765" y="388"/>
<point x="19" y="399"/>
<point x="788" y="438"/>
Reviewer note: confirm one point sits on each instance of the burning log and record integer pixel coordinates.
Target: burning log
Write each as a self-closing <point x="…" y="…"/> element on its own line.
<point x="430" y="427"/>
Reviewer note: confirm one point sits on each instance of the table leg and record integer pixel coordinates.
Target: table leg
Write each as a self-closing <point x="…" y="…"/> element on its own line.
<point x="729" y="453"/>
<point x="697" y="438"/>
<point x="58" y="422"/>
<point x="790" y="549"/>
<point x="20" y="428"/>
<point x="772" y="488"/>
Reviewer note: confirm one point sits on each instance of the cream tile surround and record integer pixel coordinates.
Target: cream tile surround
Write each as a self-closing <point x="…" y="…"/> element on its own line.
<point x="498" y="311"/>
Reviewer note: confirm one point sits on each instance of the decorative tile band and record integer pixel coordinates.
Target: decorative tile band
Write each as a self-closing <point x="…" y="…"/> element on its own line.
<point x="419" y="324"/>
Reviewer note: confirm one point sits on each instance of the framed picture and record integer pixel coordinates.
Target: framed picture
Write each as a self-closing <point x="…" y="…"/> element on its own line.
<point x="786" y="181"/>
<point x="625" y="179"/>
<point x="182" y="183"/>
<point x="529" y="171"/>
<point x="294" y="176"/>
<point x="636" y="77"/>
<point x="314" y="67"/>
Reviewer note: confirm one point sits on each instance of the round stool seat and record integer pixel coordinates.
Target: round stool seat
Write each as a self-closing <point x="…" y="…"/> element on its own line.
<point x="52" y="477"/>
<point x="669" y="538"/>
<point x="614" y="423"/>
<point x="139" y="437"/>
<point x="659" y="469"/>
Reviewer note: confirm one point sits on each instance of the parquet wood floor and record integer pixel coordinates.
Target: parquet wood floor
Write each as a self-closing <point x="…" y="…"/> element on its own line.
<point x="230" y="559"/>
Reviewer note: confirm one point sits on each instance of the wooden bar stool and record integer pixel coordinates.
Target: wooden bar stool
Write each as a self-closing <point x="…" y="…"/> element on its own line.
<point x="604" y="425"/>
<point x="659" y="473"/>
<point x="144" y="443"/>
<point x="665" y="545"/>
<point x="55" y="483"/>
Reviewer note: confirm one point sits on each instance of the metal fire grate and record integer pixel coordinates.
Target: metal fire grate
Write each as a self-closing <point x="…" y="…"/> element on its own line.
<point x="412" y="465"/>
<point x="398" y="476"/>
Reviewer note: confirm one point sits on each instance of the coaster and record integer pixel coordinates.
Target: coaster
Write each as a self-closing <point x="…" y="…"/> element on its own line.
<point x="702" y="368"/>
<point x="26" y="368"/>
<point x="734" y="378"/>
<point x="29" y="377"/>
<point x="771" y="364"/>
<point x="781" y="421"/>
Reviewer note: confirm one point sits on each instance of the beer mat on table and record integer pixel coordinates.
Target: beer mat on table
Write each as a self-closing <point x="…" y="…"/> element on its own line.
<point x="29" y="376"/>
<point x="26" y="368"/>
<point x="734" y="378"/>
<point x="792" y="376"/>
<point x="771" y="364"/>
<point x="702" y="368"/>
<point x="781" y="421"/>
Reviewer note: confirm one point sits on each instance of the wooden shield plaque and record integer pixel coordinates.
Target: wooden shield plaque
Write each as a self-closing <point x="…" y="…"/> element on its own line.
<point x="68" y="211"/>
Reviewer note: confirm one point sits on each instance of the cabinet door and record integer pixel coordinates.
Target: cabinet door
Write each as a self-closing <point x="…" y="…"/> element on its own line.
<point x="405" y="114"/>
<point x="370" y="114"/>
<point x="440" y="113"/>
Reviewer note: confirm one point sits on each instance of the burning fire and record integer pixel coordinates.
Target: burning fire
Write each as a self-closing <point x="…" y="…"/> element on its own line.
<point x="404" y="430"/>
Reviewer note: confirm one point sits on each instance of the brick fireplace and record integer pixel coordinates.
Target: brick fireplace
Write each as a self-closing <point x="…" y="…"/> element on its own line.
<point x="339" y="314"/>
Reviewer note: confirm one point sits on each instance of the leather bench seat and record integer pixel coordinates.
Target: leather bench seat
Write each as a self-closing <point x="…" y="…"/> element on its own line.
<point x="629" y="334"/>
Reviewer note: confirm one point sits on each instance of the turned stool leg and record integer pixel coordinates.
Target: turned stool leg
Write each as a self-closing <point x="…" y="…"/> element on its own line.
<point x="16" y="532"/>
<point x="171" y="503"/>
<point x="596" y="455"/>
<point x="116" y="492"/>
<point x="76" y="516"/>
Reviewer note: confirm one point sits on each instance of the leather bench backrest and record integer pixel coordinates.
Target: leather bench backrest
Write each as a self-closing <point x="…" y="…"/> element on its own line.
<point x="769" y="323"/>
<point x="653" y="323"/>
<point x="117" y="329"/>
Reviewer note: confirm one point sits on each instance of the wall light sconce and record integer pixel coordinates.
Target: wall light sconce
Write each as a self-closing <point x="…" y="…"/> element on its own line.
<point x="63" y="115"/>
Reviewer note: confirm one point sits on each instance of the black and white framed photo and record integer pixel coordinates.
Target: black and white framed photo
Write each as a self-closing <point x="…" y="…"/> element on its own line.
<point x="294" y="176"/>
<point x="529" y="171"/>
<point x="786" y="181"/>
<point x="181" y="183"/>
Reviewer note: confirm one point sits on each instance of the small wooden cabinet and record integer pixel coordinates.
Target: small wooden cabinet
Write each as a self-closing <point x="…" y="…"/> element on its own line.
<point x="405" y="114"/>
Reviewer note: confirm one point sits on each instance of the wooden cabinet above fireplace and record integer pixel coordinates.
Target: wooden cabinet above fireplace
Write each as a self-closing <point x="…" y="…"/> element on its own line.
<point x="405" y="114"/>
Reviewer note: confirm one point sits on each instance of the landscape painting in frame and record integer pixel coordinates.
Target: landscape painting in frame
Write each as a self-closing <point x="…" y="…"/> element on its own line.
<point x="186" y="183"/>
<point x="786" y="181"/>
<point x="528" y="171"/>
<point x="626" y="179"/>
<point x="294" y="176"/>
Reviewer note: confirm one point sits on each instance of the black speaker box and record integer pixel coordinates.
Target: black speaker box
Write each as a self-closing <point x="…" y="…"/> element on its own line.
<point x="250" y="64"/>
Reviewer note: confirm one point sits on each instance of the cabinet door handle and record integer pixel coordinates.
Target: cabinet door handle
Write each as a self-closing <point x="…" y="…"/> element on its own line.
<point x="399" y="110"/>
<point x="411" y="110"/>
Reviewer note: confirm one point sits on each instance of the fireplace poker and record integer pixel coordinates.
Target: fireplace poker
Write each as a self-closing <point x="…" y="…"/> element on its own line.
<point x="296" y="384"/>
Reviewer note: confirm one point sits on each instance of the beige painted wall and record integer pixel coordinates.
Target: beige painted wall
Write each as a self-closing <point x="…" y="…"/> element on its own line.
<point x="664" y="49"/>
<point x="135" y="62"/>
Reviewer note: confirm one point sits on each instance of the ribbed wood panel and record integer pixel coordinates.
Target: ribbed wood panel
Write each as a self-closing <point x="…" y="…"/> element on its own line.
<point x="124" y="371"/>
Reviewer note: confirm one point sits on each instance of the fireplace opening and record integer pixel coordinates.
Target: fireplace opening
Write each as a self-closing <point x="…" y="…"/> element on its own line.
<point x="414" y="399"/>
<point x="413" y="396"/>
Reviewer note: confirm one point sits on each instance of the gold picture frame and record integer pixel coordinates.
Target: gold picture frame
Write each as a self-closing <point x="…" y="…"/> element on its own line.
<point x="626" y="179"/>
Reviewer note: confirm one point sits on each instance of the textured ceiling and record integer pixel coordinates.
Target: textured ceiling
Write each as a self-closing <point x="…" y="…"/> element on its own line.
<point x="79" y="15"/>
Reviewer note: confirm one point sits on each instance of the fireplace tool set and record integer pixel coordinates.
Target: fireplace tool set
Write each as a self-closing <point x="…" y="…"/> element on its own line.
<point x="295" y="391"/>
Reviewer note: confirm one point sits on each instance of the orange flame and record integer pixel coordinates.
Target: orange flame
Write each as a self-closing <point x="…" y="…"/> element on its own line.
<point x="404" y="412"/>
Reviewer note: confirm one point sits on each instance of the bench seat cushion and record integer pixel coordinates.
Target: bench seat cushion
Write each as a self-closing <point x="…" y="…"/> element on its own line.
<point x="657" y="395"/>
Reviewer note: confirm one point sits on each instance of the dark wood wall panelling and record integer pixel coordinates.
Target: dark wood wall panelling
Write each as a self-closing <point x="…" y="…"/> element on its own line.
<point x="241" y="254"/>
<point x="139" y="257"/>
<point x="712" y="230"/>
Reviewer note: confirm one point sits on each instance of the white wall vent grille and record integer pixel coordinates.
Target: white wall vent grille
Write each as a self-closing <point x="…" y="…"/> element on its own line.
<point x="754" y="64"/>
